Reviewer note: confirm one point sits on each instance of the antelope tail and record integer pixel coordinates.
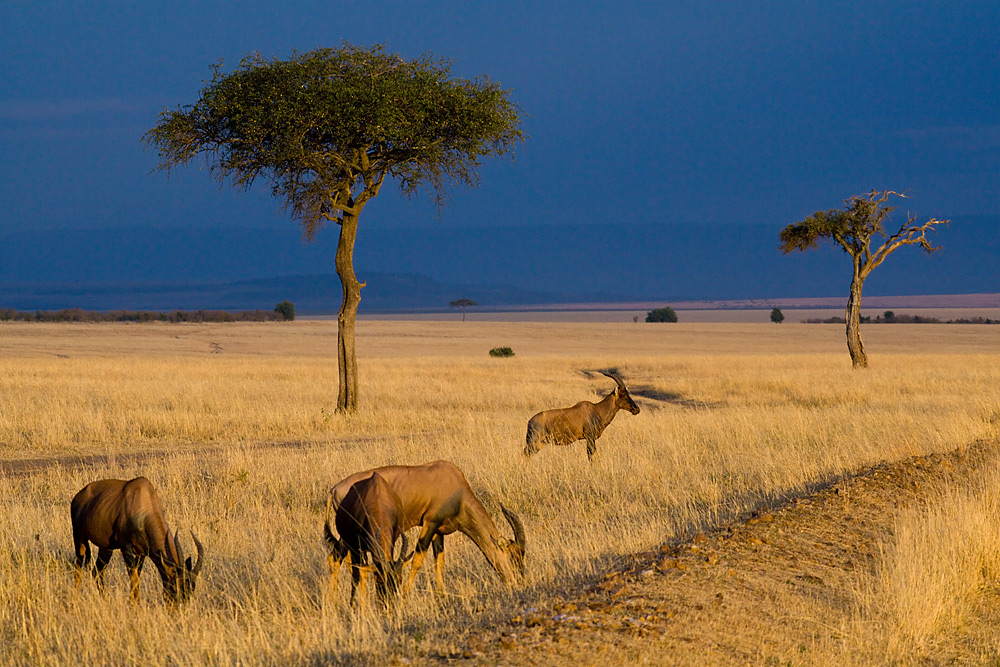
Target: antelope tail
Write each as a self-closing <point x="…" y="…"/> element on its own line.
<point x="332" y="540"/>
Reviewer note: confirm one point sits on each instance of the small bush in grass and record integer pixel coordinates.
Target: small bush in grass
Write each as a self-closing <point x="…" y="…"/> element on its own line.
<point x="501" y="352"/>
<point x="661" y="315"/>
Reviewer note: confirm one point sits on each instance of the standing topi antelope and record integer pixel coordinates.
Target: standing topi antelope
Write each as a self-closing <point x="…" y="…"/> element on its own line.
<point x="115" y="514"/>
<point x="437" y="497"/>
<point x="368" y="519"/>
<point x="583" y="421"/>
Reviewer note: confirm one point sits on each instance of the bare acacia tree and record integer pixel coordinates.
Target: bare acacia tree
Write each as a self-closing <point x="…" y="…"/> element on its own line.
<point x="853" y="229"/>
<point x="326" y="128"/>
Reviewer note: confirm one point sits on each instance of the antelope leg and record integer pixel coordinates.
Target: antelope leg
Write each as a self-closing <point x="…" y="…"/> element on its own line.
<point x="418" y="560"/>
<point x="438" y="544"/>
<point x="334" y="564"/>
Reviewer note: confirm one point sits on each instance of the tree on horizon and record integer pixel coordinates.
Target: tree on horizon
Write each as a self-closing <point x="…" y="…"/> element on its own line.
<point x="853" y="229"/>
<point x="326" y="128"/>
<point x="463" y="304"/>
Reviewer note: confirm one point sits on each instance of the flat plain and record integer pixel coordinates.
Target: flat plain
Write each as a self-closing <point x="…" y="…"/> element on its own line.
<point x="233" y="423"/>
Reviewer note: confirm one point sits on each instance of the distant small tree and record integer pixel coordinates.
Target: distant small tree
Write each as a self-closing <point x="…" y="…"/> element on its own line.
<point x="777" y="316"/>
<point x="853" y="229"/>
<point x="666" y="314"/>
<point x="463" y="304"/>
<point x="889" y="316"/>
<point x="286" y="309"/>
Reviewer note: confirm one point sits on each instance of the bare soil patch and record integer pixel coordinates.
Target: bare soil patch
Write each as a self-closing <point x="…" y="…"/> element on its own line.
<point x="775" y="588"/>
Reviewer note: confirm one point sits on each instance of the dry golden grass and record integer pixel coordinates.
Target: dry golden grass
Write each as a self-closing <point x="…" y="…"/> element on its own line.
<point x="934" y="596"/>
<point x="731" y="415"/>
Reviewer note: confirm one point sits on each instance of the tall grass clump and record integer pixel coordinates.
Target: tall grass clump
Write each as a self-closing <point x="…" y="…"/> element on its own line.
<point x="935" y="590"/>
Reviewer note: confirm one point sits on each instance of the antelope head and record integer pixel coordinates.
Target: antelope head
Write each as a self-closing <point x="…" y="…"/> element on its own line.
<point x="514" y="549"/>
<point x="623" y="400"/>
<point x="387" y="586"/>
<point x="182" y="585"/>
<point x="387" y="581"/>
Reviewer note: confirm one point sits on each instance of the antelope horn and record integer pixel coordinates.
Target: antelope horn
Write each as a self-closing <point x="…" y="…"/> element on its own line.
<point x="403" y="546"/>
<point x="201" y="553"/>
<point x="616" y="378"/>
<point x="515" y="524"/>
<point x="179" y="554"/>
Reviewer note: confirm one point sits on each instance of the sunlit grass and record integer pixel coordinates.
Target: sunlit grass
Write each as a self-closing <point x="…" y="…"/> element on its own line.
<point x="255" y="446"/>
<point x="933" y="596"/>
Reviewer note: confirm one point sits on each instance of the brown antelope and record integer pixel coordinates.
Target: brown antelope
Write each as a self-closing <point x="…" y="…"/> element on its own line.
<point x="115" y="514"/>
<point x="583" y="421"/>
<point x="368" y="520"/>
<point x="437" y="497"/>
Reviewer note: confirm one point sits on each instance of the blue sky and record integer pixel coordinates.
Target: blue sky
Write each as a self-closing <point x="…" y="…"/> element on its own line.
<point x="673" y="112"/>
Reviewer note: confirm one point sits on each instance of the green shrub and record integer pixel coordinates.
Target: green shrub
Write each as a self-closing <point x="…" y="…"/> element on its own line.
<point x="286" y="309"/>
<point x="777" y="316"/>
<point x="661" y="315"/>
<point x="501" y="352"/>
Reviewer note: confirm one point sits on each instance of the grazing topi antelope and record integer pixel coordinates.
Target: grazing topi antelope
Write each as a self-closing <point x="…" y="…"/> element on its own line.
<point x="437" y="497"/>
<point x="115" y="514"/>
<point x="369" y="519"/>
<point x="583" y="421"/>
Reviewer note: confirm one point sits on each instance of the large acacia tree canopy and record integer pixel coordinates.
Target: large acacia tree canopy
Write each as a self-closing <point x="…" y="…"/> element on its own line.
<point x="854" y="227"/>
<point x="326" y="127"/>
<point x="851" y="228"/>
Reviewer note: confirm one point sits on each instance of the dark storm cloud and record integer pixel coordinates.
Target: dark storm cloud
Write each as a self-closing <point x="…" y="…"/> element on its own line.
<point x="646" y="112"/>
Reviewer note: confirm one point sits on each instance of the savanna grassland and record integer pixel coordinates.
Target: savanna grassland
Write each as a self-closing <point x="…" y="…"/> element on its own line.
<point x="233" y="424"/>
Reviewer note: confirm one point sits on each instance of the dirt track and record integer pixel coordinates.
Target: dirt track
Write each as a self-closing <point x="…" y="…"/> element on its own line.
<point x="732" y="595"/>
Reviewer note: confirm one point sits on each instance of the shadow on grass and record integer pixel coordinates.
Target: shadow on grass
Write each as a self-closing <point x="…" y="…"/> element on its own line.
<point x="672" y="398"/>
<point x="649" y="392"/>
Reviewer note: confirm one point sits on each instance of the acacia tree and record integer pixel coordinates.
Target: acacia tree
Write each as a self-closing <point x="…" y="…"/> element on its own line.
<point x="326" y="128"/>
<point x="463" y="304"/>
<point x="853" y="229"/>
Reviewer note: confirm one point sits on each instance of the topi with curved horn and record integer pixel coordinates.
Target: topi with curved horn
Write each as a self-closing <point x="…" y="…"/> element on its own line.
<point x="583" y="421"/>
<point x="437" y="498"/>
<point x="126" y="515"/>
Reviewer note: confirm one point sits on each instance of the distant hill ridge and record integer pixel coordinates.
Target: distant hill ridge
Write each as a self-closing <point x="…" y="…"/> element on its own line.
<point x="311" y="294"/>
<point x="231" y="268"/>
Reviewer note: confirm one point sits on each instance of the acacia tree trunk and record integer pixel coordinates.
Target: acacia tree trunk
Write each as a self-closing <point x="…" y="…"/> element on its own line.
<point x="347" y="362"/>
<point x="853" y="316"/>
